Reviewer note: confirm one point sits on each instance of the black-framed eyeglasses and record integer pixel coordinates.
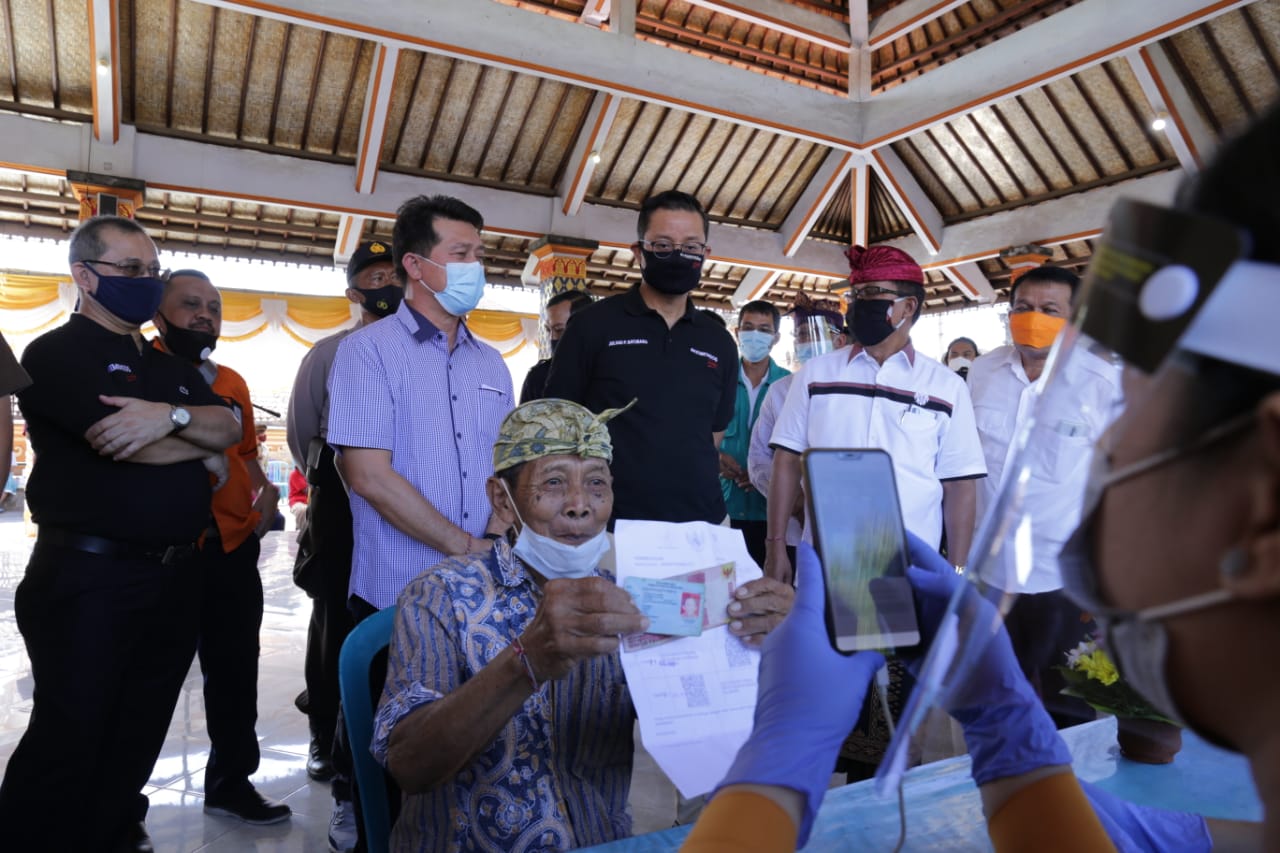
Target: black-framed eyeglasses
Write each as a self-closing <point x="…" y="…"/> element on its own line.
<point x="664" y="248"/>
<point x="133" y="269"/>
<point x="872" y="291"/>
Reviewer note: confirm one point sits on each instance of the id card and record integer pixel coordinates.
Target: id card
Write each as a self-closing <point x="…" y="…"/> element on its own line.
<point x="674" y="607"/>
<point x="718" y="583"/>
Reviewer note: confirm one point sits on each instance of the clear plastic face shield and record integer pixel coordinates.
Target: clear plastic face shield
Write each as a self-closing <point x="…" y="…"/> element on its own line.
<point x="815" y="334"/>
<point x="1161" y="283"/>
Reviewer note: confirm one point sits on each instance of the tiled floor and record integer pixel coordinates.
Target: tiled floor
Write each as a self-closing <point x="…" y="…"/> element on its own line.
<point x="176" y="819"/>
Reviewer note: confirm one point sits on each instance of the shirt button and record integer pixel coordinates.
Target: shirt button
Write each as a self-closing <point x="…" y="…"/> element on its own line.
<point x="464" y="475"/>
<point x="458" y="434"/>
<point x="466" y="515"/>
<point x="455" y="398"/>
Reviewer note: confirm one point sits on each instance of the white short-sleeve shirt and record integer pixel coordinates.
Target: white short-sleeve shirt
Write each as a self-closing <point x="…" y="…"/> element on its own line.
<point x="911" y="406"/>
<point x="1003" y="399"/>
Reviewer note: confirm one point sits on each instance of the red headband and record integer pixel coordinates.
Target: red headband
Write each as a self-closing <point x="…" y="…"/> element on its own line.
<point x="882" y="263"/>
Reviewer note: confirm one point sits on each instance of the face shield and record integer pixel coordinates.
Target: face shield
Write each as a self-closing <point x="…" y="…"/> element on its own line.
<point x="1161" y="283"/>
<point x="815" y="333"/>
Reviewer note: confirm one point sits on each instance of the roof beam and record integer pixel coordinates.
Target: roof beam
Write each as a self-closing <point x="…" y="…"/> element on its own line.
<point x="1188" y="133"/>
<point x="349" y="230"/>
<point x="373" y="126"/>
<point x="972" y="282"/>
<point x="786" y="18"/>
<point x="1084" y="35"/>
<point x="860" y="203"/>
<point x="910" y="197"/>
<point x="529" y="43"/>
<point x="223" y="171"/>
<point x="860" y="52"/>
<point x="813" y="201"/>
<point x="905" y="17"/>
<point x="595" y="13"/>
<point x="104" y="50"/>
<point x="1080" y="216"/>
<point x="755" y="284"/>
<point x="586" y="151"/>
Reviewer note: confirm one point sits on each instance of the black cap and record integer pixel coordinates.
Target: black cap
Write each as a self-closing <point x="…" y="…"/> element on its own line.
<point x="366" y="253"/>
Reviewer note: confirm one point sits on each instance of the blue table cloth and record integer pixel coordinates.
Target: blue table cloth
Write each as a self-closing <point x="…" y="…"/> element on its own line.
<point x="944" y="811"/>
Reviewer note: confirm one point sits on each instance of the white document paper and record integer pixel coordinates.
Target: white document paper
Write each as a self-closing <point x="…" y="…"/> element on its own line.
<point x="695" y="696"/>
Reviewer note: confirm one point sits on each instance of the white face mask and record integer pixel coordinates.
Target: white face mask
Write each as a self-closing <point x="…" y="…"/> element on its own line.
<point x="958" y="363"/>
<point x="552" y="558"/>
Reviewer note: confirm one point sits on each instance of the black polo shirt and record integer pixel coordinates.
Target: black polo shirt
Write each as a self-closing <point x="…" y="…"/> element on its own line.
<point x="71" y="486"/>
<point x="535" y="381"/>
<point x="665" y="464"/>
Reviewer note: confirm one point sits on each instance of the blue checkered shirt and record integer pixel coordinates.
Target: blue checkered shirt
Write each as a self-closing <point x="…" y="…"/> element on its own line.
<point x="558" y="773"/>
<point x="395" y="386"/>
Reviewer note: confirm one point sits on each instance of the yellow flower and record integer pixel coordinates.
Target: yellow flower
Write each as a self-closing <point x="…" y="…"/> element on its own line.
<point x="1099" y="667"/>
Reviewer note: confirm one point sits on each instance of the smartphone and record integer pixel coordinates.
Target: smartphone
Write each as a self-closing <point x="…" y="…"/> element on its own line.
<point x="857" y="527"/>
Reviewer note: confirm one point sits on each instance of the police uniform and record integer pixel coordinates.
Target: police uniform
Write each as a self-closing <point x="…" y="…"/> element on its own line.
<point x="685" y="379"/>
<point x="109" y="602"/>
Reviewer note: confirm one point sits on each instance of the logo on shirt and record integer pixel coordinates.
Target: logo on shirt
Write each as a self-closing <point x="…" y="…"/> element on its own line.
<point x="712" y="361"/>
<point x="182" y="389"/>
<point x="117" y="367"/>
<point x="629" y="342"/>
<point x="921" y="398"/>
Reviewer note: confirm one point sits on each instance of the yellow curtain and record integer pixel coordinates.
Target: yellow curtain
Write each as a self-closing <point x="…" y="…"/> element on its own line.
<point x="240" y="305"/>
<point x="319" y="312"/>
<point x="19" y="292"/>
<point x="496" y="325"/>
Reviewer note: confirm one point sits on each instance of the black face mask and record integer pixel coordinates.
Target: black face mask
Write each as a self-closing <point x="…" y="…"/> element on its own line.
<point x="189" y="344"/>
<point x="383" y="301"/>
<point x="869" y="320"/>
<point x="675" y="274"/>
<point x="554" y="342"/>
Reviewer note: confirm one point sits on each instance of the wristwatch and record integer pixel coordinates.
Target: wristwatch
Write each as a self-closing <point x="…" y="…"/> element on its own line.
<point x="179" y="417"/>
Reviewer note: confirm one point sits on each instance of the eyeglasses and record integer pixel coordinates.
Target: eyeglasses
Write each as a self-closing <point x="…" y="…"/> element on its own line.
<point x="874" y="292"/>
<point x="133" y="269"/>
<point x="664" y="248"/>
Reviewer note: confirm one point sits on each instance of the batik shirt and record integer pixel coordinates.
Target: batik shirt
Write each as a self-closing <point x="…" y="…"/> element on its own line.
<point x="558" y="773"/>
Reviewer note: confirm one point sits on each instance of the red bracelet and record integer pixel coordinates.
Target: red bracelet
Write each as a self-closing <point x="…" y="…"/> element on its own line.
<point x="774" y="538"/>
<point x="518" y="648"/>
<point x="468" y="551"/>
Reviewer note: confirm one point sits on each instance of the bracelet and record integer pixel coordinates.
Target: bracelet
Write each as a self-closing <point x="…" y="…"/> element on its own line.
<point x="468" y="551"/>
<point x="518" y="648"/>
<point x="774" y="538"/>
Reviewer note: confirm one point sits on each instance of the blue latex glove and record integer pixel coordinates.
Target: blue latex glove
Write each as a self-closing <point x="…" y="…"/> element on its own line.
<point x="1138" y="829"/>
<point x="810" y="696"/>
<point x="1006" y="728"/>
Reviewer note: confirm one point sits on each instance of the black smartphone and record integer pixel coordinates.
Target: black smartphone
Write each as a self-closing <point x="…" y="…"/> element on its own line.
<point x="858" y="532"/>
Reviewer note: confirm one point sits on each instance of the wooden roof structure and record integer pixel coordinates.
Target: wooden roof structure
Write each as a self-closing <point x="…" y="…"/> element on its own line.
<point x="285" y="130"/>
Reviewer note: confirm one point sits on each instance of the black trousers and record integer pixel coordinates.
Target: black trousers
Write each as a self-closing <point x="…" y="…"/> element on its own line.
<point x="230" y="620"/>
<point x="329" y="535"/>
<point x="1042" y="628"/>
<point x="110" y="641"/>
<point x="754" y="532"/>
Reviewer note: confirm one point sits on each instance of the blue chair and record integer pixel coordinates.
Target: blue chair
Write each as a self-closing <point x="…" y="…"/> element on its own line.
<point x="362" y="646"/>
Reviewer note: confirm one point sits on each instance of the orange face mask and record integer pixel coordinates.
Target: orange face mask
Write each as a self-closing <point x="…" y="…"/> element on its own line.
<point x="1034" y="329"/>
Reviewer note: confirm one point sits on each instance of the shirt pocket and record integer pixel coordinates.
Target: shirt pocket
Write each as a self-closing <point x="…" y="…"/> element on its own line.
<point x="995" y="431"/>
<point x="492" y="405"/>
<point x="1061" y="449"/>
<point x="919" y="430"/>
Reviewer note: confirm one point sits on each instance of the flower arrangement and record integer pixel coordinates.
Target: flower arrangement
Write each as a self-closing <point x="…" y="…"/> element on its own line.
<point x="1092" y="677"/>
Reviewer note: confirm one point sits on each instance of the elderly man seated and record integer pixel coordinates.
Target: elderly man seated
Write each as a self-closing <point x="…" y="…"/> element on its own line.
<point x="505" y="718"/>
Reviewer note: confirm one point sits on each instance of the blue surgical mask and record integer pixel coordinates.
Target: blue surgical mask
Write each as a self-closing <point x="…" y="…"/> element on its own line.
<point x="133" y="300"/>
<point x="552" y="558"/>
<point x="755" y="345"/>
<point x="464" y="285"/>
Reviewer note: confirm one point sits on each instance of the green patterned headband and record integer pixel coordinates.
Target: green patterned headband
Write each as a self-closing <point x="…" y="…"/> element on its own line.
<point x="553" y="428"/>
